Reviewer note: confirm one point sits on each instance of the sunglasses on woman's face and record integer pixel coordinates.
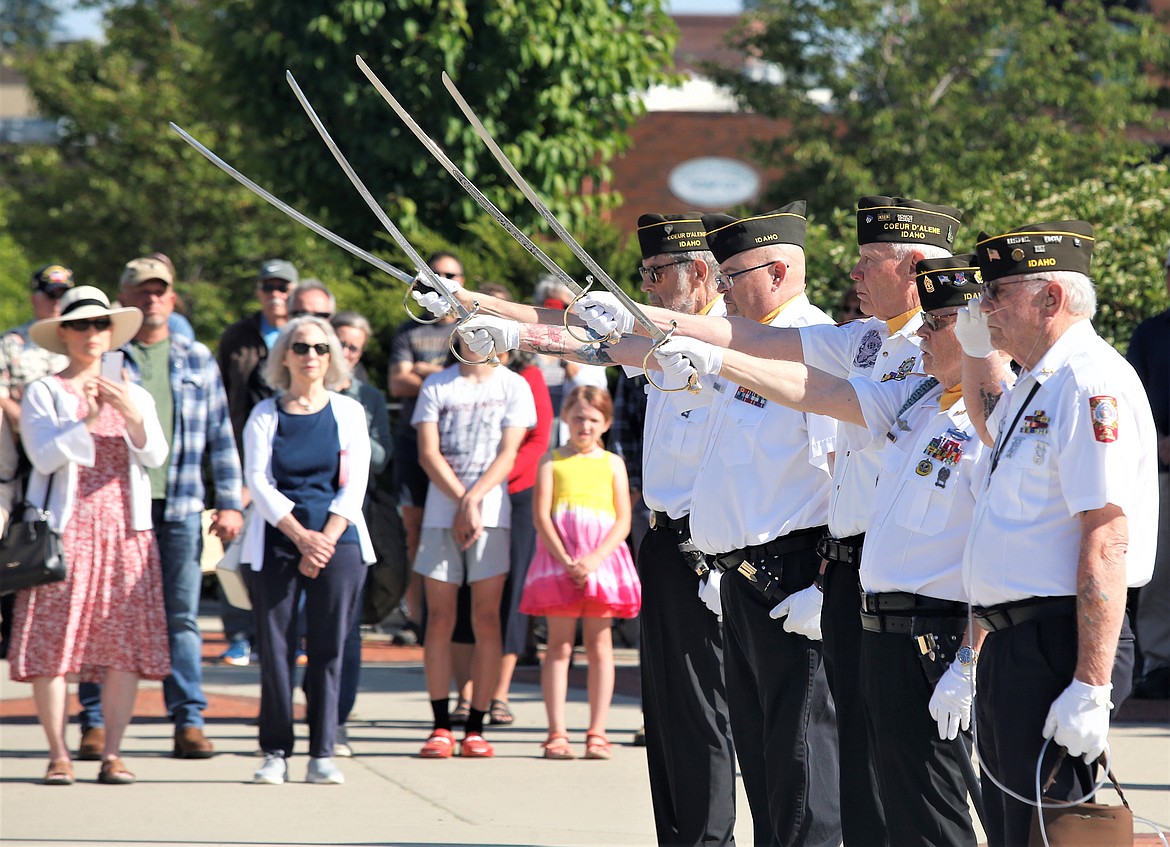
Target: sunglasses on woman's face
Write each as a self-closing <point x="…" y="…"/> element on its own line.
<point x="86" y="324"/>
<point x="302" y="349"/>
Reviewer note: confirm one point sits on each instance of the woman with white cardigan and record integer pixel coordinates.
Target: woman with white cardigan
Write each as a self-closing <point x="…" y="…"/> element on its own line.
<point x="306" y="464"/>
<point x="90" y="440"/>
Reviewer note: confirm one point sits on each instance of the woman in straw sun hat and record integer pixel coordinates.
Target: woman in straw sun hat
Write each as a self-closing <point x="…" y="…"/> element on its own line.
<point x="90" y="440"/>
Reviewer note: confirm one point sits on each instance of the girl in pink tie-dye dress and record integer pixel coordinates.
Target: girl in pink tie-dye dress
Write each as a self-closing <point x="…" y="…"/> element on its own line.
<point x="582" y="568"/>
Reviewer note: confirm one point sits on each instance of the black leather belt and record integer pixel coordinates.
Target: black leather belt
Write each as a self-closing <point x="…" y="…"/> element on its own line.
<point x="911" y="614"/>
<point x="899" y="601"/>
<point x="844" y="550"/>
<point x="995" y="618"/>
<point x="661" y="520"/>
<point x="751" y="561"/>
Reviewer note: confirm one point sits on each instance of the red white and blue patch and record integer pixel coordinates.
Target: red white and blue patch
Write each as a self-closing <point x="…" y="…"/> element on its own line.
<point x="1103" y="410"/>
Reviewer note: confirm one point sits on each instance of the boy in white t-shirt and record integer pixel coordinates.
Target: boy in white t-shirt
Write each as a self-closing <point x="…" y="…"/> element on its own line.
<point x="470" y="421"/>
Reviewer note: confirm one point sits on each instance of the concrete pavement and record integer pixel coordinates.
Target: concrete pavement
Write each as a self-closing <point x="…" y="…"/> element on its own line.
<point x="390" y="796"/>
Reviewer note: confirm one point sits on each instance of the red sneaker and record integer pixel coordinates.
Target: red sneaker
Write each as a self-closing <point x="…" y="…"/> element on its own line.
<point x="441" y="745"/>
<point x="475" y="747"/>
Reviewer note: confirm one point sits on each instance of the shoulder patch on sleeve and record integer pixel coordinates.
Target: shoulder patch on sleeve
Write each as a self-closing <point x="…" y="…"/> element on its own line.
<point x="1103" y="410"/>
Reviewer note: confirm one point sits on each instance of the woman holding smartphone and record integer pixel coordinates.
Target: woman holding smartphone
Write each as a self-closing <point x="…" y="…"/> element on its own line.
<point x="90" y="439"/>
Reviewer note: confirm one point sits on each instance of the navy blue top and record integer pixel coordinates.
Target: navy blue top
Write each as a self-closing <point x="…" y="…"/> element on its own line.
<point x="306" y="460"/>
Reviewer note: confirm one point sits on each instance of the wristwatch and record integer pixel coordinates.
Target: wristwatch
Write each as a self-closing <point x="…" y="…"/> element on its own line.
<point x="967" y="656"/>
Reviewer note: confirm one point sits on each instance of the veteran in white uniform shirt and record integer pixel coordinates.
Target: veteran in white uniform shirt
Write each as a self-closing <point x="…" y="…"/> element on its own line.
<point x="1066" y="521"/>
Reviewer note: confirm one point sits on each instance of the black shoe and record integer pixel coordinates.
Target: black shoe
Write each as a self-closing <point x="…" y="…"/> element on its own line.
<point x="1154" y="686"/>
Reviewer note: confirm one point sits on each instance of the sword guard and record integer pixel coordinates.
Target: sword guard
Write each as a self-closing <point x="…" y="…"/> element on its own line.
<point x="693" y="386"/>
<point x="592" y="337"/>
<point x="406" y="298"/>
<point x="492" y="360"/>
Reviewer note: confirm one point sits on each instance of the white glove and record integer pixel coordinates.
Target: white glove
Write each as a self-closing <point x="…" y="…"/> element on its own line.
<point x="431" y="300"/>
<point x="680" y="356"/>
<point x="950" y="704"/>
<point x="604" y="315"/>
<point x="485" y="335"/>
<point x="1078" y="719"/>
<point x="804" y="613"/>
<point x="709" y="592"/>
<point x="972" y="332"/>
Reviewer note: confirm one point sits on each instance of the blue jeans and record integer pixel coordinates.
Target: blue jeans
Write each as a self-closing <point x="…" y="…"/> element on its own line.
<point x="180" y="544"/>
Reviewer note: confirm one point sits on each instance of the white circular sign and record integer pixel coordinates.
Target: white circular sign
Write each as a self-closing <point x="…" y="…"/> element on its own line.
<point x="714" y="181"/>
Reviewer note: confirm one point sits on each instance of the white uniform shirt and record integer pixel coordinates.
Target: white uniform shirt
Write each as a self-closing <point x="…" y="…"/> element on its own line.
<point x="765" y="470"/>
<point x="859" y="349"/>
<point x="1085" y="439"/>
<point x="673" y="446"/>
<point x="925" y="498"/>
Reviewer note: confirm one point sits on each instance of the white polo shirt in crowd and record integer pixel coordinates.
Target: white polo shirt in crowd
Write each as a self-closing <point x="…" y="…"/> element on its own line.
<point x="673" y="446"/>
<point x="765" y="469"/>
<point x="922" y="507"/>
<point x="1077" y="434"/>
<point x="863" y="348"/>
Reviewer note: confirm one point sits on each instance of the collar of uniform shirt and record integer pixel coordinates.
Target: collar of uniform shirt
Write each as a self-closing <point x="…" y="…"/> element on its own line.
<point x="898" y="321"/>
<point x="772" y="315"/>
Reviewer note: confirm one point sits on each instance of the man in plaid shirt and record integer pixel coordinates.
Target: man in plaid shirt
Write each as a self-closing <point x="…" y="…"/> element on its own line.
<point x="188" y="391"/>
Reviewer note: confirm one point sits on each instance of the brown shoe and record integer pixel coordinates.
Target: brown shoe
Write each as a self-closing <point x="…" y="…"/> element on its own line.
<point x="114" y="772"/>
<point x="191" y="743"/>
<point x="60" y="772"/>
<point x="93" y="744"/>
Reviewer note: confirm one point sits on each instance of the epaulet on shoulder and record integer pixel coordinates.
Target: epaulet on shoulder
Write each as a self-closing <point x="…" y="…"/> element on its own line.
<point x="853" y="321"/>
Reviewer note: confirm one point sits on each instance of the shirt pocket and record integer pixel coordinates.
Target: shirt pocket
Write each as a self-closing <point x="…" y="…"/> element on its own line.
<point x="739" y="438"/>
<point x="927" y="493"/>
<point x="1019" y="485"/>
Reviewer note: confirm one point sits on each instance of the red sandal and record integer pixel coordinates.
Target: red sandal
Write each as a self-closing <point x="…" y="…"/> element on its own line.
<point x="556" y="746"/>
<point x="598" y="747"/>
<point x="440" y="745"/>
<point x="475" y="747"/>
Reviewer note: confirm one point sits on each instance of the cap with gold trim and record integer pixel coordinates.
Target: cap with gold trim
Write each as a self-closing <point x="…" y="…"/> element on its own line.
<point x="1035" y="248"/>
<point x="661" y="234"/>
<point x="729" y="236"/>
<point x="900" y="220"/>
<point x="950" y="281"/>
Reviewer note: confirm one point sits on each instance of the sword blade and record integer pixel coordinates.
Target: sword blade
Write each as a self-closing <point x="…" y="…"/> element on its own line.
<point x="420" y="265"/>
<point x="484" y="203"/>
<point x="546" y="213"/>
<point x="300" y="218"/>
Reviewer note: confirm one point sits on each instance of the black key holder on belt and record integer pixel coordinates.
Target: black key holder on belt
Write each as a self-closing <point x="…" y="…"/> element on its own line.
<point x="757" y="573"/>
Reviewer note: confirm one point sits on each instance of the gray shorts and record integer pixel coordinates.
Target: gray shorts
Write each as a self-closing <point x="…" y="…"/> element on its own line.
<point x="440" y="558"/>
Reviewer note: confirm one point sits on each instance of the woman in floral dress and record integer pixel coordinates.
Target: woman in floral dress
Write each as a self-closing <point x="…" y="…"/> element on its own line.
<point x="90" y="439"/>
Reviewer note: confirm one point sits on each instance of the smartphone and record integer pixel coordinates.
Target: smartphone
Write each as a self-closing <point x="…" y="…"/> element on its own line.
<point x="112" y="365"/>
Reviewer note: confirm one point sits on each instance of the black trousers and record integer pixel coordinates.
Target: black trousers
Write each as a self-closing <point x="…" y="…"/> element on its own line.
<point x="921" y="783"/>
<point x="1022" y="670"/>
<point x="863" y="821"/>
<point x="331" y="602"/>
<point x="688" y="734"/>
<point x="782" y="715"/>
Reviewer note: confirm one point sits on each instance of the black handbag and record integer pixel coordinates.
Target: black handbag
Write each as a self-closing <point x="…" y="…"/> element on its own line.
<point x="30" y="552"/>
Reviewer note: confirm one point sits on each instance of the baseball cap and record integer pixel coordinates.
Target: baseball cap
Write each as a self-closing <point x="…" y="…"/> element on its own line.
<point x="138" y="271"/>
<point x="277" y="269"/>
<point x="52" y="279"/>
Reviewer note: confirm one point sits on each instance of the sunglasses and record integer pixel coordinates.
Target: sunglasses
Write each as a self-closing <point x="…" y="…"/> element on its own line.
<point x="272" y="287"/>
<point x="728" y="280"/>
<point x="937" y="322"/>
<point x="991" y="289"/>
<point x="302" y="349"/>
<point x="54" y="290"/>
<point x="352" y="348"/>
<point x="654" y="273"/>
<point x="301" y="313"/>
<point x="86" y="324"/>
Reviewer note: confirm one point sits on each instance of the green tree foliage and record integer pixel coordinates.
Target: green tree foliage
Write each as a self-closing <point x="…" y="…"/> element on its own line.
<point x="27" y="23"/>
<point x="555" y="82"/>
<point x="926" y="98"/>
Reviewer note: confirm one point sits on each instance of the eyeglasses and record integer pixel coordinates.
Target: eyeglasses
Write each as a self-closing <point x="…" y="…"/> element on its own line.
<point x="937" y="322"/>
<point x="301" y="313"/>
<point x="53" y="290"/>
<point x="352" y="348"/>
<point x="86" y="324"/>
<point x="302" y="349"/>
<point x="728" y="280"/>
<point x="655" y="272"/>
<point x="991" y="289"/>
<point x="270" y="287"/>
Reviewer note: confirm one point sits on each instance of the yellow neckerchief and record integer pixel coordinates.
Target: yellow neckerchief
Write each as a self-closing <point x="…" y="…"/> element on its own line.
<point x="898" y="321"/>
<point x="950" y="397"/>
<point x="706" y="309"/>
<point x="771" y="316"/>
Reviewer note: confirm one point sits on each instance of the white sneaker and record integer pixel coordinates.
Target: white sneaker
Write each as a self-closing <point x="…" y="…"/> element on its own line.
<point x="323" y="772"/>
<point x="274" y="771"/>
<point x="341" y="748"/>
